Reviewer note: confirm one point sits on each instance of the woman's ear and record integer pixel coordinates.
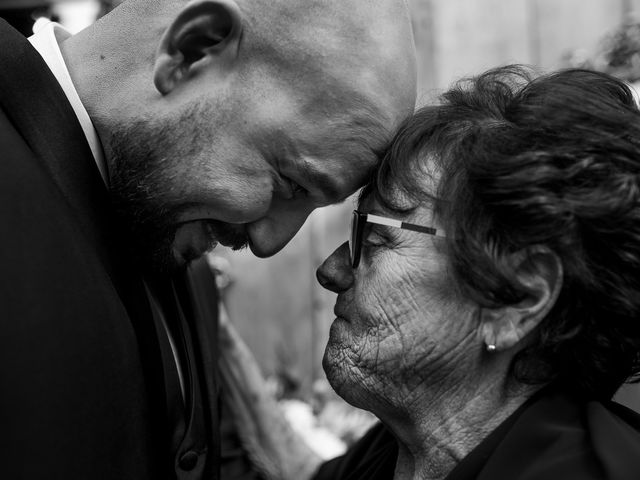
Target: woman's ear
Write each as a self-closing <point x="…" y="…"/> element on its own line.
<point x="539" y="272"/>
<point x="203" y="28"/>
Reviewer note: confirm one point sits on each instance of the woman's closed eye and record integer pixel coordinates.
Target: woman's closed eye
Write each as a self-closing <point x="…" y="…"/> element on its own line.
<point x="376" y="236"/>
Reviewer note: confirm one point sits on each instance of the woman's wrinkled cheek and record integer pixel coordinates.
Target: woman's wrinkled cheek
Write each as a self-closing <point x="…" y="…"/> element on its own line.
<point x="355" y="368"/>
<point x="371" y="354"/>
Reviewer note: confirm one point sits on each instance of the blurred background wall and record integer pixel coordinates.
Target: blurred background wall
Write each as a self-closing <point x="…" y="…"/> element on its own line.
<point x="275" y="303"/>
<point x="461" y="37"/>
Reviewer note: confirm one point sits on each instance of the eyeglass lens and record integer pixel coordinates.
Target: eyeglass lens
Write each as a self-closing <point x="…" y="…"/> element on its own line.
<point x="352" y="240"/>
<point x="357" y="221"/>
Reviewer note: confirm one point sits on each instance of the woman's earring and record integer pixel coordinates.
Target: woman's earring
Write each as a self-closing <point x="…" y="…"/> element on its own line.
<point x="491" y="347"/>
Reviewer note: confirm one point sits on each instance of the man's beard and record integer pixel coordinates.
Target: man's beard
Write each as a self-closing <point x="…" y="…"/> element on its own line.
<point x="145" y="175"/>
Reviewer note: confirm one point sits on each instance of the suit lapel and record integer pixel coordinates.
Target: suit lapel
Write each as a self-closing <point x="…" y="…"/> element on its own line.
<point x="51" y="129"/>
<point x="36" y="105"/>
<point x="49" y="125"/>
<point x="66" y="156"/>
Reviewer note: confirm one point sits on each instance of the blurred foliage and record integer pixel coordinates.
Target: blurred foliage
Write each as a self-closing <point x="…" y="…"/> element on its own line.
<point x="617" y="54"/>
<point x="620" y="54"/>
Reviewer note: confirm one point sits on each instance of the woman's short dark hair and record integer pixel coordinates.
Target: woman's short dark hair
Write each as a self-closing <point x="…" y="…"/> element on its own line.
<point x="550" y="160"/>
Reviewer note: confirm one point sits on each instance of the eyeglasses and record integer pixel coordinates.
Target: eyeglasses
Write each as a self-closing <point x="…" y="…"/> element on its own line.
<point x="359" y="220"/>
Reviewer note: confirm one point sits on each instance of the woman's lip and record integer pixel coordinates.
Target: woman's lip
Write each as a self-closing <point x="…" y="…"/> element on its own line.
<point x="338" y="308"/>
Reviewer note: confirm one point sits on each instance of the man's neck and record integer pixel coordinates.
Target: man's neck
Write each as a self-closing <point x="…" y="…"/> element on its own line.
<point x="111" y="64"/>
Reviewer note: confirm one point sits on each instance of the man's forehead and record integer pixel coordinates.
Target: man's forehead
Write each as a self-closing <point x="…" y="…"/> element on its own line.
<point x="353" y="38"/>
<point x="337" y="178"/>
<point x="366" y="200"/>
<point x="330" y="15"/>
<point x="342" y="157"/>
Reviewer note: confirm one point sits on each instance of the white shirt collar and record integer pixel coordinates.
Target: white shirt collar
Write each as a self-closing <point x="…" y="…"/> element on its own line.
<point x="46" y="41"/>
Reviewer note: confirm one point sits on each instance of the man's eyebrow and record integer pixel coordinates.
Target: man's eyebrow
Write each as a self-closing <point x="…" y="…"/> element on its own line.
<point x="363" y="137"/>
<point x="330" y="188"/>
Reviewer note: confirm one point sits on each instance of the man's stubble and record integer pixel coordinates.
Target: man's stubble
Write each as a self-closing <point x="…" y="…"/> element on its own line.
<point x="146" y="181"/>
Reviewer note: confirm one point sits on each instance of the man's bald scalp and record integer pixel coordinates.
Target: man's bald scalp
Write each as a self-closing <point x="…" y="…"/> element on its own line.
<point x="321" y="28"/>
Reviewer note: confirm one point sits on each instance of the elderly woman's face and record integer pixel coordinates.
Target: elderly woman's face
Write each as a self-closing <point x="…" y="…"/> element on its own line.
<point x="401" y="324"/>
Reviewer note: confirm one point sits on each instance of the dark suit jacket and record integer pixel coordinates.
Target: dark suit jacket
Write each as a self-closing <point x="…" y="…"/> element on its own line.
<point x="553" y="436"/>
<point x="86" y="390"/>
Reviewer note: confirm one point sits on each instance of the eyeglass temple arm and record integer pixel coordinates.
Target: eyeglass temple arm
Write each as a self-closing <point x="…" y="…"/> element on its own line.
<point x="403" y="225"/>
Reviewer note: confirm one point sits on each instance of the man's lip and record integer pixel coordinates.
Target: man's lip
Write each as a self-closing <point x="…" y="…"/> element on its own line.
<point x="221" y="238"/>
<point x="221" y="241"/>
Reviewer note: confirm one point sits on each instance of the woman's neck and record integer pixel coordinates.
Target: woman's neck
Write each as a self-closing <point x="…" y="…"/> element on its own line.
<point x="442" y="428"/>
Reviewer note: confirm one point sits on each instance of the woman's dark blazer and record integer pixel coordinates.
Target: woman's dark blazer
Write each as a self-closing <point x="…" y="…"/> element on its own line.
<point x="553" y="436"/>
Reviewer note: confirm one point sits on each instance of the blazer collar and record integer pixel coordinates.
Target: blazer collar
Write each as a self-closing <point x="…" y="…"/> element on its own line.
<point x="34" y="102"/>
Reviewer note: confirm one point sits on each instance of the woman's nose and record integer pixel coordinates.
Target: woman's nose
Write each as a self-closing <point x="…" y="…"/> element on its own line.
<point x="335" y="273"/>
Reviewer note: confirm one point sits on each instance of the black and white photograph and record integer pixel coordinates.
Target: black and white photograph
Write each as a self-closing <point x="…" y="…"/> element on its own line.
<point x="320" y="239"/>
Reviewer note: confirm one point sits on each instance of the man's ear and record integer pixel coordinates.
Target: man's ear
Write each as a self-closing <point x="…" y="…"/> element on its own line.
<point x="203" y="28"/>
<point x="540" y="274"/>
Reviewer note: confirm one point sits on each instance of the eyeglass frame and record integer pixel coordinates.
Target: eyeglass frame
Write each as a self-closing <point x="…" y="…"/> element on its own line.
<point x="360" y="219"/>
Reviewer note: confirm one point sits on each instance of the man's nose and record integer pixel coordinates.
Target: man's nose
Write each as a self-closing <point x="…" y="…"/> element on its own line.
<point x="335" y="273"/>
<point x="271" y="233"/>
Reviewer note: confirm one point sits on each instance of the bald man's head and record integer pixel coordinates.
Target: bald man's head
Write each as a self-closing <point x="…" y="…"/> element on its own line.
<point x="249" y="114"/>
<point x="364" y="45"/>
